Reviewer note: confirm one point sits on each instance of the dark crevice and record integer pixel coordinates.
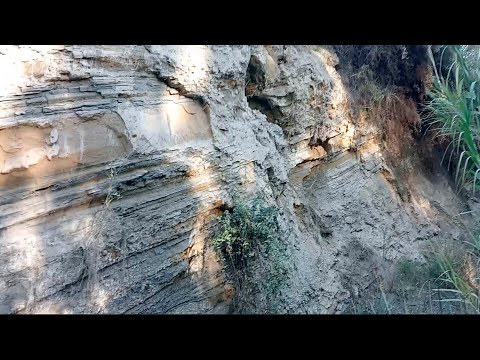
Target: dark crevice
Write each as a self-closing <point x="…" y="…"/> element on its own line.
<point x="262" y="104"/>
<point x="254" y="85"/>
<point x="224" y="206"/>
<point x="254" y="78"/>
<point x="324" y="144"/>
<point x="173" y="83"/>
<point x="271" y="175"/>
<point x="326" y="233"/>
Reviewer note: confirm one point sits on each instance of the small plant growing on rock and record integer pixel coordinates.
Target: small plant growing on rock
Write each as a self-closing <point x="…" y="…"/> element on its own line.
<point x="112" y="194"/>
<point x="253" y="255"/>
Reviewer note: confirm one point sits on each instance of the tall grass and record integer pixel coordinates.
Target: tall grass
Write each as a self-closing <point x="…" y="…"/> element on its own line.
<point x="461" y="280"/>
<point x="453" y="111"/>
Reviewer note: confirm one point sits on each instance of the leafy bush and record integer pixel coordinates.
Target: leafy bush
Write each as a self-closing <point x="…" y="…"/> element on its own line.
<point x="253" y="255"/>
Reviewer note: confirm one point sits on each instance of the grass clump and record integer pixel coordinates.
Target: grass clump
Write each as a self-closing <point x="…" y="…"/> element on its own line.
<point x="414" y="274"/>
<point x="459" y="277"/>
<point x="253" y="255"/>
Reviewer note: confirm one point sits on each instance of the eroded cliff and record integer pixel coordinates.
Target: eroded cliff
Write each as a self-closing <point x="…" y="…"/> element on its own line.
<point x="116" y="162"/>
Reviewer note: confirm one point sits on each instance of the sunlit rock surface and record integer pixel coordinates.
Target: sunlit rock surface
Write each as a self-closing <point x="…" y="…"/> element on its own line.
<point x="115" y="162"/>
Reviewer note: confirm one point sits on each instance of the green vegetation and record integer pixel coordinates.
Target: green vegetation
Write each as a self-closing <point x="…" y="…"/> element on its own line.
<point x="414" y="274"/>
<point x="253" y="255"/>
<point x="459" y="280"/>
<point x="453" y="111"/>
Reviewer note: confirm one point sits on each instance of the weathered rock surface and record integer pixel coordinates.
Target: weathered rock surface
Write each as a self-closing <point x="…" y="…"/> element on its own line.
<point x="116" y="160"/>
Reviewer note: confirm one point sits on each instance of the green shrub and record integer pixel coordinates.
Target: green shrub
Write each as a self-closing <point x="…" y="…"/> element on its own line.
<point x="253" y="255"/>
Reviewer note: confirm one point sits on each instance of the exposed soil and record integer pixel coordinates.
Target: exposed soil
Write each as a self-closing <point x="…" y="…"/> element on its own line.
<point x="403" y="76"/>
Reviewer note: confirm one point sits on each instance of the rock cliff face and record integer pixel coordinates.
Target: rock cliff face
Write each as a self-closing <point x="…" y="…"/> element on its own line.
<point x="116" y="161"/>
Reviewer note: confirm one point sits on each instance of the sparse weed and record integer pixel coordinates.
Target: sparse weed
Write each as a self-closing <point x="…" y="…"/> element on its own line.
<point x="112" y="193"/>
<point x="412" y="273"/>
